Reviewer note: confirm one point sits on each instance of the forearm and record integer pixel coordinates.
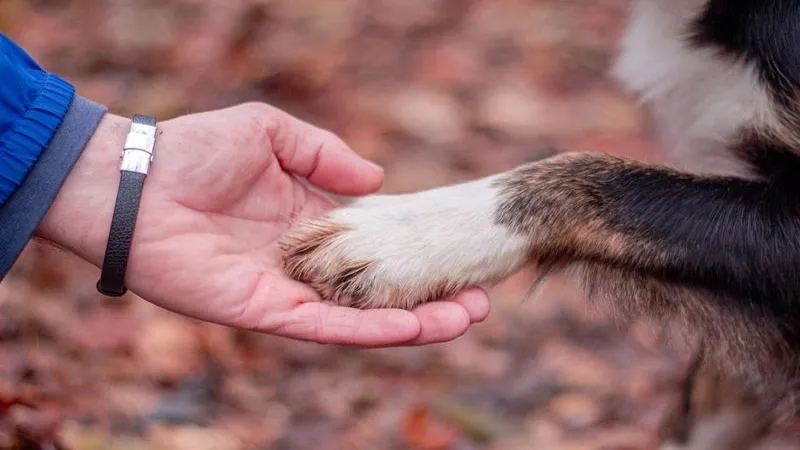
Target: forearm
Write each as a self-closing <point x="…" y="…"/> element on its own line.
<point x="80" y="217"/>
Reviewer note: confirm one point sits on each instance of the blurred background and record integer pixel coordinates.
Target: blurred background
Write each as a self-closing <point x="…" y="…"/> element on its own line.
<point x="436" y="91"/>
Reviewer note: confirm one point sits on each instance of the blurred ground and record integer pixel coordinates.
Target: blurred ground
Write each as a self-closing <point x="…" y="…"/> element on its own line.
<point x="436" y="91"/>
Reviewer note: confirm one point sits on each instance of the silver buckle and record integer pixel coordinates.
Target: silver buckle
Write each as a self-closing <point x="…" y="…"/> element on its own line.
<point x="137" y="154"/>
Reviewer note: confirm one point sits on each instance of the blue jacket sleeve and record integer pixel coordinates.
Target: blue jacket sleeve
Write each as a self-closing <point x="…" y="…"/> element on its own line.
<point x="44" y="127"/>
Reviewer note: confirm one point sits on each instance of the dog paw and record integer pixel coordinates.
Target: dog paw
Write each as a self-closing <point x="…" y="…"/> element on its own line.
<point x="404" y="250"/>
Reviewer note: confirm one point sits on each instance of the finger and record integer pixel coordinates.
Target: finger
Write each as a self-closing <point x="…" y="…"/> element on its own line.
<point x="476" y="305"/>
<point x="321" y="156"/>
<point x="440" y="322"/>
<point x="327" y="324"/>
<point x="476" y="302"/>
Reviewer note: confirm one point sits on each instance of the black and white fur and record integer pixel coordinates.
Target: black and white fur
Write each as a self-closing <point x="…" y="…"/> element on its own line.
<point x="709" y="244"/>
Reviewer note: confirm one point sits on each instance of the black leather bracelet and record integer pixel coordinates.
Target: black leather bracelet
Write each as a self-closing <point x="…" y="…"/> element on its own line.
<point x="137" y="154"/>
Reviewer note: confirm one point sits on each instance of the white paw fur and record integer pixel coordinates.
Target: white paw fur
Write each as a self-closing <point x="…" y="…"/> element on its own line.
<point x="403" y="250"/>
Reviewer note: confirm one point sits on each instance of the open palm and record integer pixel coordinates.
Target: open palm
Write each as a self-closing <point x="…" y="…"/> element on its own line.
<point x="224" y="187"/>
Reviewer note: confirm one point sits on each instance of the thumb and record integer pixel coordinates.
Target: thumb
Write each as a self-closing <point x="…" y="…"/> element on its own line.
<point x="320" y="156"/>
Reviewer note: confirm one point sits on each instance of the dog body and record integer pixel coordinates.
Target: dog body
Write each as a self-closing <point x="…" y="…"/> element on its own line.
<point x="699" y="100"/>
<point x="709" y="244"/>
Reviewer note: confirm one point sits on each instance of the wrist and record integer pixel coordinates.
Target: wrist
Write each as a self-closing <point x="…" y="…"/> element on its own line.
<point x="80" y="217"/>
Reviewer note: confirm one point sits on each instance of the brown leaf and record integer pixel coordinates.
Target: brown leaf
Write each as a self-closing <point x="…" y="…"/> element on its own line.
<point x="422" y="431"/>
<point x="576" y="410"/>
<point x="169" y="348"/>
<point x="104" y="328"/>
<point x="193" y="438"/>
<point x="578" y="368"/>
<point x="36" y="424"/>
<point x="429" y="114"/>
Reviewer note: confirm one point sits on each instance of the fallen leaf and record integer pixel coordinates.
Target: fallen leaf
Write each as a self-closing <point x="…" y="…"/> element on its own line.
<point x="422" y="431"/>
<point x="193" y="438"/>
<point x="169" y="348"/>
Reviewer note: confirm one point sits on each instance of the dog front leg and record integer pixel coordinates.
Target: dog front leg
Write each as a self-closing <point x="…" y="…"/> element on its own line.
<point x="715" y="254"/>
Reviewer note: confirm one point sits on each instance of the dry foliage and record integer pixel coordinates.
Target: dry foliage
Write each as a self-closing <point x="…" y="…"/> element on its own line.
<point x="436" y="91"/>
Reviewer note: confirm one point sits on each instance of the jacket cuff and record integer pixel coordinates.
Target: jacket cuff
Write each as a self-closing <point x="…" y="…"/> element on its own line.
<point x="24" y="210"/>
<point x="22" y="145"/>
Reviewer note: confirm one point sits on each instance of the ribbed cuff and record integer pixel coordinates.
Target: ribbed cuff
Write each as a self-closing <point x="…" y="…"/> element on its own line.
<point x="26" y="208"/>
<point x="22" y="145"/>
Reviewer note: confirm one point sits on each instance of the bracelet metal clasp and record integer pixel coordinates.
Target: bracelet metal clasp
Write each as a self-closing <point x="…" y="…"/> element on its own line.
<point x="137" y="154"/>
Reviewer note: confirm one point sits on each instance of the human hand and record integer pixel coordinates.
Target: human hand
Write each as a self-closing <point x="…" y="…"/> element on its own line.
<point x="224" y="186"/>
